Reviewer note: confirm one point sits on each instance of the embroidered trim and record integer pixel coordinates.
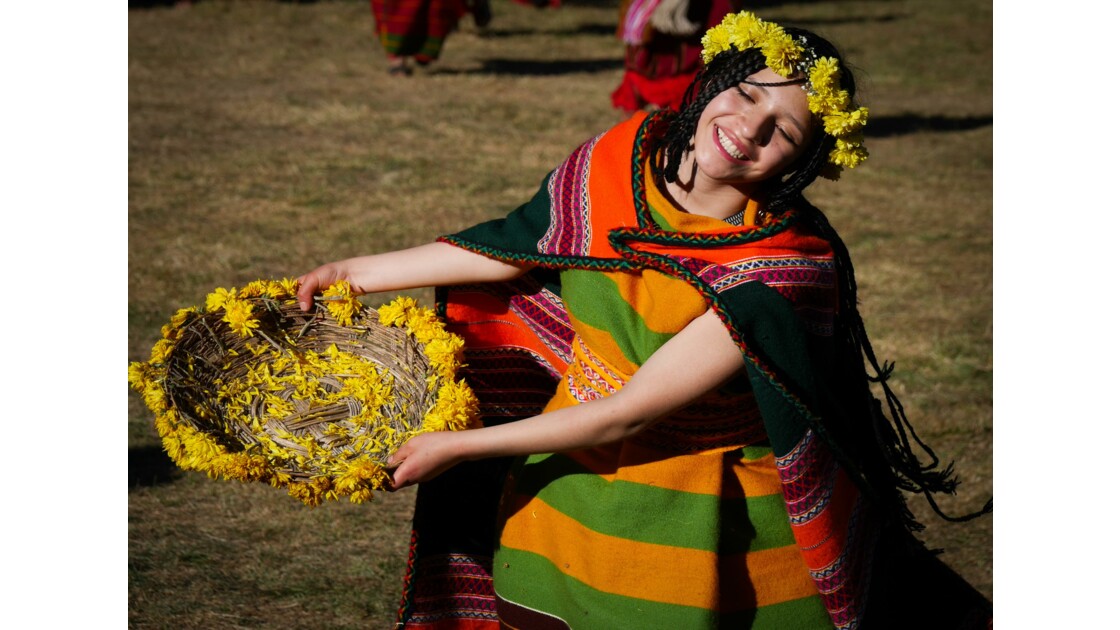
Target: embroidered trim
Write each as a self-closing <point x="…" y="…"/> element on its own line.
<point x="547" y="261"/>
<point x="569" y="230"/>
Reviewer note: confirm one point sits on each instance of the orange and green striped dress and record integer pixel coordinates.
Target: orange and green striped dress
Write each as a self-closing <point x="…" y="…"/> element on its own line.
<point x="731" y="512"/>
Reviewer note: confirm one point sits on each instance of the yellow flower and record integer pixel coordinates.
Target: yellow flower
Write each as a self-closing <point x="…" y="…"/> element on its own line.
<point x="173" y="329"/>
<point x="397" y="312"/>
<point x="182" y="315"/>
<point x="359" y="474"/>
<point x="165" y="423"/>
<point x="174" y="448"/>
<point x="302" y="492"/>
<point x="844" y="123"/>
<point x="279" y="479"/>
<point x="154" y="397"/>
<point x="311" y="492"/>
<point x="239" y="316"/>
<point x="255" y="288"/>
<point x="362" y="495"/>
<point x="824" y="75"/>
<point x="781" y="51"/>
<point x="139" y="374"/>
<point x="219" y="297"/>
<point x="241" y="467"/>
<point x="445" y="354"/>
<point x="827" y="102"/>
<point x="289" y="286"/>
<point x="744" y="30"/>
<point x="200" y="445"/>
<point x="161" y="351"/>
<point x="456" y="408"/>
<point x="715" y="42"/>
<point x="847" y="154"/>
<point x="424" y="325"/>
<point x="341" y="303"/>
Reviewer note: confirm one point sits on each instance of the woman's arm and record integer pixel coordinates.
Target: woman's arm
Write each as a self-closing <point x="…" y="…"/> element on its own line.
<point x="434" y="264"/>
<point x="696" y="360"/>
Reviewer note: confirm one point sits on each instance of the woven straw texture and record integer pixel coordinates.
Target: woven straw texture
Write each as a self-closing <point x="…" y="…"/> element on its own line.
<point x="199" y="363"/>
<point x="255" y="389"/>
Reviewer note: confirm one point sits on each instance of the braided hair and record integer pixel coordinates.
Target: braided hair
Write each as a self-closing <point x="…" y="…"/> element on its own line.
<point x="877" y="451"/>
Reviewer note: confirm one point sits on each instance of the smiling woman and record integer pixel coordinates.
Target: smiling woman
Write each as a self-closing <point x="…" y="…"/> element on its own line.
<point x="665" y="340"/>
<point x="746" y="135"/>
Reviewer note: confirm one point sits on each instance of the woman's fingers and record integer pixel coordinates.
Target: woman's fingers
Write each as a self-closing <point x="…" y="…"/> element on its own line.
<point x="420" y="458"/>
<point x="311" y="283"/>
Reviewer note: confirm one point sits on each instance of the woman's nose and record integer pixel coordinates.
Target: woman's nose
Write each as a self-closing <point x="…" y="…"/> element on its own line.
<point x="757" y="125"/>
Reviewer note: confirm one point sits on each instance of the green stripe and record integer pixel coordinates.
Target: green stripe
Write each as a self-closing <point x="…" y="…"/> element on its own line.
<point x="531" y="580"/>
<point x="806" y="613"/>
<point x="656" y="515"/>
<point x="752" y="453"/>
<point x="594" y="299"/>
<point x="660" y="220"/>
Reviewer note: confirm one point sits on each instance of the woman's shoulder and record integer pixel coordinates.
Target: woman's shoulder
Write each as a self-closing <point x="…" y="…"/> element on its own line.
<point x="625" y="133"/>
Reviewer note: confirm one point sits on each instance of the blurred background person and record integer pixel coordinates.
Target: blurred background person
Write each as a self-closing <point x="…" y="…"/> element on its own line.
<point x="662" y="40"/>
<point x="416" y="29"/>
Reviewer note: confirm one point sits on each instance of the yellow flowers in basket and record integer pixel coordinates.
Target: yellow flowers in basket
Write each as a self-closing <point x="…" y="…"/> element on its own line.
<point x="254" y="389"/>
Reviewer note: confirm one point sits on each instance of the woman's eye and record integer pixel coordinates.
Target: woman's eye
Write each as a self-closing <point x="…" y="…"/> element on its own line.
<point x="788" y="137"/>
<point x="744" y="94"/>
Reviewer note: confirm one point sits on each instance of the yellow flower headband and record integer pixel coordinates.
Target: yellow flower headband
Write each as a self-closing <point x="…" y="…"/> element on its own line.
<point x="788" y="56"/>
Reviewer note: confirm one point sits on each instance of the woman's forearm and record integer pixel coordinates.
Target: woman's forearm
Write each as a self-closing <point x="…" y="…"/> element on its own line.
<point x="433" y="264"/>
<point x="587" y="425"/>
<point x="583" y="426"/>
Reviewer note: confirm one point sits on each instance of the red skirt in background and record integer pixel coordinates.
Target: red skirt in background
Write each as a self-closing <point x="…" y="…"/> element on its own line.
<point x="659" y="70"/>
<point x="415" y="28"/>
<point x="637" y="91"/>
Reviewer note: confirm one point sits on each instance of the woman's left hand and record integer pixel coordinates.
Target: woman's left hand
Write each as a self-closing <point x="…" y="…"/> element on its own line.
<point x="423" y="457"/>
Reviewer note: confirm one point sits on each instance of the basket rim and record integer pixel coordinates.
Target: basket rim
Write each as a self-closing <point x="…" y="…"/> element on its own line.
<point x="454" y="406"/>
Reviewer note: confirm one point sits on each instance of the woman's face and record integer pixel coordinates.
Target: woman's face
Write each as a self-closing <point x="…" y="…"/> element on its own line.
<point x="750" y="133"/>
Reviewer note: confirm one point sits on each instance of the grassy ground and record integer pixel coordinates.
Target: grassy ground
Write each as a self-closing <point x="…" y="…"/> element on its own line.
<point x="266" y="138"/>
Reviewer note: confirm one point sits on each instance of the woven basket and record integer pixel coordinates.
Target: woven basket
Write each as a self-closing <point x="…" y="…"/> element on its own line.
<point x="288" y="401"/>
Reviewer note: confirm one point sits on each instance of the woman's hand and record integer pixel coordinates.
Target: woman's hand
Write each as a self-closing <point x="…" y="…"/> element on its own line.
<point x="424" y="457"/>
<point x="320" y="278"/>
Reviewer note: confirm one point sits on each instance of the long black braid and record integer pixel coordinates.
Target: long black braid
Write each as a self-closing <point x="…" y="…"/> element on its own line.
<point x="878" y="451"/>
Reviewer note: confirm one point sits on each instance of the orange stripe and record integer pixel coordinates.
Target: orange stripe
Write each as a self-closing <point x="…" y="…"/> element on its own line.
<point x="611" y="158"/>
<point x="660" y="573"/>
<point x="606" y="348"/>
<point x="486" y="322"/>
<point x="684" y="221"/>
<point x="823" y="538"/>
<point x="704" y="472"/>
<point x="665" y="304"/>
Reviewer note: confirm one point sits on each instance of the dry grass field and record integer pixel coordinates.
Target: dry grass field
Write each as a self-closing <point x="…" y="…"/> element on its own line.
<point x="266" y="138"/>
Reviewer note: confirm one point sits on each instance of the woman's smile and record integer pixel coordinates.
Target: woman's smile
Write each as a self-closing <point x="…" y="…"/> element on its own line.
<point x="730" y="146"/>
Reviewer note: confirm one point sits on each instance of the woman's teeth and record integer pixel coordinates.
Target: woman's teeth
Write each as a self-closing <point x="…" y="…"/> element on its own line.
<point x="729" y="146"/>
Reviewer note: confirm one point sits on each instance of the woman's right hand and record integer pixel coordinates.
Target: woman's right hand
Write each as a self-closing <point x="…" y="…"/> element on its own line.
<point x="320" y="278"/>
